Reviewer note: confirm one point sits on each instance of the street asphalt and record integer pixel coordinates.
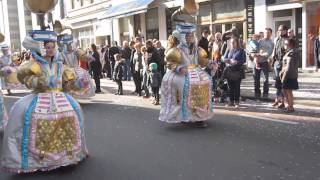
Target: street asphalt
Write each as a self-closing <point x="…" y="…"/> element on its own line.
<point x="127" y="142"/>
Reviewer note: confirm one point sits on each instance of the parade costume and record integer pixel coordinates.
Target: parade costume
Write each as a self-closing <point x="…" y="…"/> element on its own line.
<point x="8" y="71"/>
<point x="72" y="59"/>
<point x="3" y="113"/>
<point x="46" y="128"/>
<point x="186" y="97"/>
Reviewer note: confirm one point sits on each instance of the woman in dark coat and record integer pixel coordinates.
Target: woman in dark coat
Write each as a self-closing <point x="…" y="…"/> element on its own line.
<point x="289" y="73"/>
<point x="234" y="58"/>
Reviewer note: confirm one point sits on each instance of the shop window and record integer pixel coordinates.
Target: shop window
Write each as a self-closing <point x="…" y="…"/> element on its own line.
<point x="152" y="24"/>
<point x="313" y="28"/>
<point x="137" y="25"/>
<point x="282" y="13"/>
<point x="170" y="24"/>
<point x="205" y="13"/>
<point x="217" y="28"/>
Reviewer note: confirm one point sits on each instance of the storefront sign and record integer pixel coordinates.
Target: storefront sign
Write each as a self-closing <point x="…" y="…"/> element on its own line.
<point x="250" y="18"/>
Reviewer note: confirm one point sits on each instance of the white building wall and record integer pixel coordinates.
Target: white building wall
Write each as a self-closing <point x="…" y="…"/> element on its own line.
<point x="143" y="26"/>
<point x="162" y="24"/>
<point x="116" y="31"/>
<point x="5" y="21"/>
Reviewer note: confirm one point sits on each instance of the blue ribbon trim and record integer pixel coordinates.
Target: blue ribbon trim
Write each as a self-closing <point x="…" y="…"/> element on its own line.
<point x="26" y="128"/>
<point x="76" y="107"/>
<point x="184" y="98"/>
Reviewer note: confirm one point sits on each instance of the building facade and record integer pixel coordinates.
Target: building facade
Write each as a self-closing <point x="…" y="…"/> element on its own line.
<point x="301" y="16"/>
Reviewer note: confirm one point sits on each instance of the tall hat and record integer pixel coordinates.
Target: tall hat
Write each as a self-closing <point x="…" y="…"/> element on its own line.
<point x="184" y="18"/>
<point x="35" y="39"/>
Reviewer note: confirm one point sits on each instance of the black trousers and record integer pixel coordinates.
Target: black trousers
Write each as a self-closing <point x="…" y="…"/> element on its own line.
<point x="155" y="92"/>
<point x="234" y="90"/>
<point x="137" y="81"/>
<point x="96" y="77"/>
<point x="120" y="90"/>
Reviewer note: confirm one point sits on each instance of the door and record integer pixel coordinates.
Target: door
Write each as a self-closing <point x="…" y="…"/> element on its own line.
<point x="287" y="21"/>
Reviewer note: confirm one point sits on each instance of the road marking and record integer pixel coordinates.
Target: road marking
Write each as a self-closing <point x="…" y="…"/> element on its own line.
<point x="269" y="119"/>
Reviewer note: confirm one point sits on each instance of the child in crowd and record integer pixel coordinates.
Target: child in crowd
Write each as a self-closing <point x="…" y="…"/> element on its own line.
<point x="118" y="72"/>
<point x="254" y="49"/>
<point x="155" y="82"/>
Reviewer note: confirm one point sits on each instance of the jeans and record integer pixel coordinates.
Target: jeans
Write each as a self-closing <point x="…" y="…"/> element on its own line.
<point x="127" y="70"/>
<point x="277" y="68"/>
<point x="234" y="90"/>
<point x="137" y="78"/>
<point x="256" y="75"/>
<point x="145" y="83"/>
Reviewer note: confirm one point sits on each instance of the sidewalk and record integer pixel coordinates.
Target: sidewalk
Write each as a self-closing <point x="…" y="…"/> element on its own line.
<point x="308" y="94"/>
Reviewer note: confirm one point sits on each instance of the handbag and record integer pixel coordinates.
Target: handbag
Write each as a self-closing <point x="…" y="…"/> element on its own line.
<point x="233" y="75"/>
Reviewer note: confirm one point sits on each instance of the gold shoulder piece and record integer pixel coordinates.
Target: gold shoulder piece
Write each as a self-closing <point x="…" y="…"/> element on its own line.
<point x="68" y="74"/>
<point x="173" y="58"/>
<point x="28" y="68"/>
<point x="203" y="57"/>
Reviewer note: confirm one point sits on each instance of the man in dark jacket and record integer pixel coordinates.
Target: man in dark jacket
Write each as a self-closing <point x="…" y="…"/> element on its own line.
<point x="203" y="42"/>
<point x="106" y="66"/>
<point x="278" y="54"/>
<point x="96" y="67"/>
<point x="113" y="51"/>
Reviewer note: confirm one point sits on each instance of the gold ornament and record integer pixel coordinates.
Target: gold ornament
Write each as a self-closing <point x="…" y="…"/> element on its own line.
<point x="203" y="57"/>
<point x="173" y="56"/>
<point x="68" y="74"/>
<point x="1" y="37"/>
<point x="56" y="136"/>
<point x="190" y="7"/>
<point x="40" y="6"/>
<point x="199" y="96"/>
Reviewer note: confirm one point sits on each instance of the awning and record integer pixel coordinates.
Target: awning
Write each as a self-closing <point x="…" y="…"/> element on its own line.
<point x="127" y="9"/>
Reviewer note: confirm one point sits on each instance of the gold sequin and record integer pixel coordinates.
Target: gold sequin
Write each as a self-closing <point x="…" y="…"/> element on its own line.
<point x="199" y="96"/>
<point x="56" y="136"/>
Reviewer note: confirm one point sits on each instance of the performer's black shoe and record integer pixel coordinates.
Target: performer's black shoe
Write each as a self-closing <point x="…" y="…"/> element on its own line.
<point x="201" y="124"/>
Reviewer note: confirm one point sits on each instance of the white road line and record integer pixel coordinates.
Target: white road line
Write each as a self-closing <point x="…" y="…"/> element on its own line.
<point x="269" y="119"/>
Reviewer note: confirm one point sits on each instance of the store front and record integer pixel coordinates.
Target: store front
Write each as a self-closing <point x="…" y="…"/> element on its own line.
<point x="220" y="16"/>
<point x="312" y="10"/>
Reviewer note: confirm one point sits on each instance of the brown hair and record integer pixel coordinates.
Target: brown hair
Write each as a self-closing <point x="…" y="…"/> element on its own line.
<point x="237" y="42"/>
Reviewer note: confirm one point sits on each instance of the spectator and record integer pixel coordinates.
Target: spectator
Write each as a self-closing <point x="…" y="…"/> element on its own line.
<point x="265" y="48"/>
<point x="106" y="62"/>
<point x="145" y="71"/>
<point x="155" y="82"/>
<point x="291" y="35"/>
<point x="203" y="42"/>
<point x="278" y="54"/>
<point x="133" y="50"/>
<point x="289" y="73"/>
<point x="113" y="51"/>
<point x="234" y="58"/>
<point x="138" y="61"/>
<point x="96" y="67"/>
<point x="161" y="50"/>
<point x="126" y="55"/>
<point x="219" y="92"/>
<point x="211" y="39"/>
<point x="118" y="73"/>
<point x="317" y="51"/>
